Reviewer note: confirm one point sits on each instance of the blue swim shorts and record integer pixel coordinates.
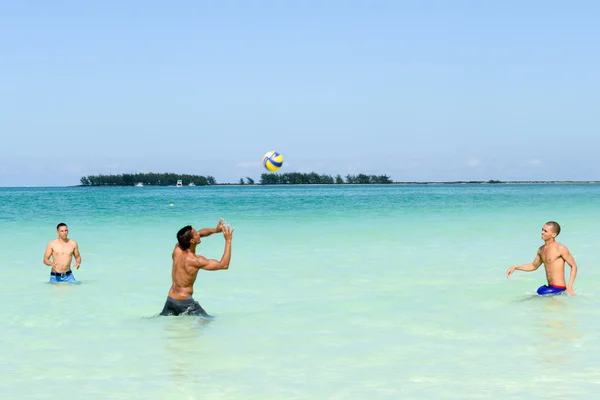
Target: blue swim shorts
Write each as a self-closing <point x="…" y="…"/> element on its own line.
<point x="56" y="277"/>
<point x="550" y="290"/>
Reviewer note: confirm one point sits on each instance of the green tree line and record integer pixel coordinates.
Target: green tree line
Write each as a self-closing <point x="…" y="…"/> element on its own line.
<point x="149" y="179"/>
<point x="312" y="178"/>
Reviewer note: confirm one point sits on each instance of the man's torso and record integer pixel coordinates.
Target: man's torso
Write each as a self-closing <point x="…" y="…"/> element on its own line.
<point x="62" y="254"/>
<point x="183" y="274"/>
<point x="553" y="263"/>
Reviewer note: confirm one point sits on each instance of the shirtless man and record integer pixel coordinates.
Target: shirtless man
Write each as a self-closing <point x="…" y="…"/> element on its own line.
<point x="553" y="255"/>
<point x="62" y="250"/>
<point x="186" y="265"/>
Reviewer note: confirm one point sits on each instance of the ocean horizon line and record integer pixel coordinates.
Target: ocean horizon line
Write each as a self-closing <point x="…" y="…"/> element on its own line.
<point x="455" y="182"/>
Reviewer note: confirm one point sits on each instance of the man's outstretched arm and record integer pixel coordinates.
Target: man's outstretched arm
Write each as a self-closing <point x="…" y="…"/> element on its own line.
<point x="209" y="231"/>
<point x="526" y="267"/>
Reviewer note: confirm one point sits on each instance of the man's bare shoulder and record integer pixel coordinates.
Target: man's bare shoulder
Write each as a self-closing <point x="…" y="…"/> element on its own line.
<point x="561" y="247"/>
<point x="556" y="245"/>
<point x="69" y="243"/>
<point x="179" y="253"/>
<point x="195" y="260"/>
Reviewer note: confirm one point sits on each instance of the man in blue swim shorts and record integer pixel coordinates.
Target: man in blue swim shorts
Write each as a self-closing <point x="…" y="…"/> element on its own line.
<point x="554" y="256"/>
<point x="186" y="265"/>
<point x="59" y="254"/>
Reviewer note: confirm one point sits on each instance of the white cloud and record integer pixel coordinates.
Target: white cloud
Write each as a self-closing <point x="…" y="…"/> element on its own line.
<point x="246" y="165"/>
<point x="473" y="162"/>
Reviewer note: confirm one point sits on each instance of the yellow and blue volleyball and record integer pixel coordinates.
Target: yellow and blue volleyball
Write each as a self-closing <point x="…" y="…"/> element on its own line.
<point x="272" y="161"/>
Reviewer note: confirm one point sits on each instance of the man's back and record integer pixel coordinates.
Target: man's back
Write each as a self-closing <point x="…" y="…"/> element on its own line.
<point x="183" y="273"/>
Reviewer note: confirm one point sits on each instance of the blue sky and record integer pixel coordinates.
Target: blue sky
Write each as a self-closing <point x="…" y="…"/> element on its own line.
<point x="420" y="91"/>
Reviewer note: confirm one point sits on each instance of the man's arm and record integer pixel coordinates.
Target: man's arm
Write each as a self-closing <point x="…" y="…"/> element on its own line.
<point x="537" y="261"/>
<point x="77" y="255"/>
<point x="568" y="257"/>
<point x="47" y="256"/>
<point x="209" y="231"/>
<point x="214" y="265"/>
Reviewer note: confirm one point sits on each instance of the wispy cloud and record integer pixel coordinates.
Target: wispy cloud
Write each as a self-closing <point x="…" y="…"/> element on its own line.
<point x="473" y="162"/>
<point x="247" y="165"/>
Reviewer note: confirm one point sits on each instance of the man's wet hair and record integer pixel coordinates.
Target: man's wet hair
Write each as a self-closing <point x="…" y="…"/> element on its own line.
<point x="184" y="236"/>
<point x="555" y="227"/>
<point x="61" y="224"/>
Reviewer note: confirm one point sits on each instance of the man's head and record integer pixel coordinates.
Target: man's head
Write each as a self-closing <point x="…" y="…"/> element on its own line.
<point x="62" y="230"/>
<point x="550" y="230"/>
<point x="187" y="236"/>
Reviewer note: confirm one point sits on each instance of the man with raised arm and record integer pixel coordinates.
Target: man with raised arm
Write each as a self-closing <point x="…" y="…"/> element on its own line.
<point x="186" y="265"/>
<point x="553" y="255"/>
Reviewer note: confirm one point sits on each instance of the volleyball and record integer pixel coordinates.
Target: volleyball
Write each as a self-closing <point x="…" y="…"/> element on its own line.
<point x="272" y="161"/>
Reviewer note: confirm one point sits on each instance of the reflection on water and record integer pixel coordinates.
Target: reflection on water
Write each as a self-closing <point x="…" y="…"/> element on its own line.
<point x="62" y="285"/>
<point x="183" y="346"/>
<point x="557" y="326"/>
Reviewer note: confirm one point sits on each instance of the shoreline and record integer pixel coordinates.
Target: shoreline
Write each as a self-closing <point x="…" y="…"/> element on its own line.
<point x="407" y="183"/>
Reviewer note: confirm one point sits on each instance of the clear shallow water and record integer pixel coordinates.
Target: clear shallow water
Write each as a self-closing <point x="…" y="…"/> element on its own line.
<point x="333" y="292"/>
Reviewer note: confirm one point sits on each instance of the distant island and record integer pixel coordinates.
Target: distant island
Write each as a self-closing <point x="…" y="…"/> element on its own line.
<point x="150" y="179"/>
<point x="172" y="179"/>
<point x="289" y="178"/>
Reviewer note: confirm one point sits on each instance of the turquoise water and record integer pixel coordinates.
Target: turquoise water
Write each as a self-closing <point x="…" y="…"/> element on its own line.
<point x="334" y="292"/>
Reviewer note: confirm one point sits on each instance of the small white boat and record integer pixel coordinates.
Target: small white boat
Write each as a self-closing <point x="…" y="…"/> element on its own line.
<point x="179" y="183"/>
<point x="139" y="184"/>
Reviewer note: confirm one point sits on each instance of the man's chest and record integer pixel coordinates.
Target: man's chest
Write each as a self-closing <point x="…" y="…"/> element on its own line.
<point x="549" y="256"/>
<point x="62" y="249"/>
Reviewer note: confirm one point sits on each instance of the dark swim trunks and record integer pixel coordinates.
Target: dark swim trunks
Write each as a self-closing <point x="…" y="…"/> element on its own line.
<point x="183" y="307"/>
<point x="549" y="290"/>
